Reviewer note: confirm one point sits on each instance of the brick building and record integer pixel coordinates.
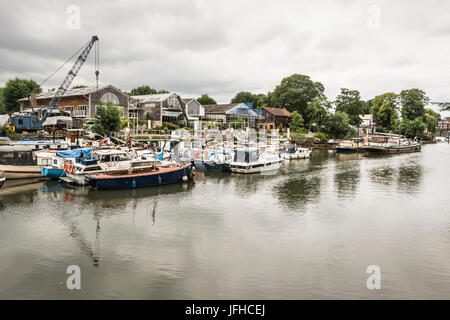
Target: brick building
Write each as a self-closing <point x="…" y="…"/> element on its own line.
<point x="273" y="117"/>
<point x="82" y="102"/>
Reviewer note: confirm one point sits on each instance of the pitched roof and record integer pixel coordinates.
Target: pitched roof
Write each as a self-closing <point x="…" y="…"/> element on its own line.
<point x="187" y="100"/>
<point x="69" y="93"/>
<point x="153" y="97"/>
<point x="282" y="112"/>
<point x="219" y="108"/>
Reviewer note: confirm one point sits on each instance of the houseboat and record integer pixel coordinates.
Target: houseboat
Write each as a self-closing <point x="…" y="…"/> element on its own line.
<point x="23" y="159"/>
<point x="350" y="146"/>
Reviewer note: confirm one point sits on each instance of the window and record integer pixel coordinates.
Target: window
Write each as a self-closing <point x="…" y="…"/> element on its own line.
<point x="20" y="121"/>
<point x="110" y="97"/>
<point x="81" y="111"/>
<point x="68" y="108"/>
<point x="149" y="105"/>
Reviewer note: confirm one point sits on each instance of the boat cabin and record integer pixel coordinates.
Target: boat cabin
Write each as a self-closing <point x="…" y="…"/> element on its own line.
<point x="246" y="155"/>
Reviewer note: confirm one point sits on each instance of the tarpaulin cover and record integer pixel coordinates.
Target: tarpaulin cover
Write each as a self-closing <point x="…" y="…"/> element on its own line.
<point x="76" y="153"/>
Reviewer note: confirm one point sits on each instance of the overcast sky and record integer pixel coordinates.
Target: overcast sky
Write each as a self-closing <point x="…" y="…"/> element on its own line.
<point x="222" y="47"/>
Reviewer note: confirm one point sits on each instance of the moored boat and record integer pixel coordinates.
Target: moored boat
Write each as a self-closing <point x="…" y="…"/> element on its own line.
<point x="252" y="160"/>
<point x="219" y="161"/>
<point x="2" y="181"/>
<point x="294" y="152"/>
<point x="144" y="178"/>
<point x="393" y="148"/>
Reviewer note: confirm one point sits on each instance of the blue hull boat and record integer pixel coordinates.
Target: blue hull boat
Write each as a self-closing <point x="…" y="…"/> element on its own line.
<point x="52" y="173"/>
<point x="217" y="166"/>
<point x="159" y="176"/>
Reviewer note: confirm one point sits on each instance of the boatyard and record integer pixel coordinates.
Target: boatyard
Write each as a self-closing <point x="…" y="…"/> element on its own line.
<point x="226" y="154"/>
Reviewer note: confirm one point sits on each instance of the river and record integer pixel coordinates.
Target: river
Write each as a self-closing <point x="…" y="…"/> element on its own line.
<point x="310" y="231"/>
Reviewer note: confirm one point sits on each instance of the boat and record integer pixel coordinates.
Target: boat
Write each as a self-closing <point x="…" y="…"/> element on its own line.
<point x="350" y="146"/>
<point x="2" y="180"/>
<point x="218" y="160"/>
<point x="294" y="152"/>
<point x="398" y="146"/>
<point x="61" y="160"/>
<point x="144" y="178"/>
<point x="253" y="160"/>
<point x="23" y="159"/>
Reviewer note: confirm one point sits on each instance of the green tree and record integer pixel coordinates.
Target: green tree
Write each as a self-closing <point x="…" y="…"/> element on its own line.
<point x="412" y="128"/>
<point x="295" y="92"/>
<point x="413" y="102"/>
<point x="349" y="101"/>
<point x="16" y="89"/>
<point x="205" y="99"/>
<point x="80" y="86"/>
<point x="297" y="122"/>
<point x="337" y="125"/>
<point x="431" y="119"/>
<point x="2" y="102"/>
<point x="280" y="129"/>
<point x="144" y="90"/>
<point x="384" y="110"/>
<point x="257" y="100"/>
<point x="317" y="112"/>
<point x="107" y="119"/>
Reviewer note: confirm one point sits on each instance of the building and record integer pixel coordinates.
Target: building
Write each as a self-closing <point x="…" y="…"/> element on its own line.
<point x="82" y="102"/>
<point x="194" y="110"/>
<point x="228" y="113"/>
<point x="273" y="117"/>
<point x="159" y="108"/>
<point x="444" y="125"/>
<point x="367" y="125"/>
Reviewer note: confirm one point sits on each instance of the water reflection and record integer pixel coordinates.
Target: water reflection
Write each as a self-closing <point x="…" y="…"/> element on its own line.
<point x="383" y="175"/>
<point x="297" y="191"/>
<point x="347" y="182"/>
<point x="409" y="177"/>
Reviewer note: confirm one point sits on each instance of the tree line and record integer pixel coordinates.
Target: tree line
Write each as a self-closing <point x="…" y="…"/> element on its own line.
<point x="404" y="113"/>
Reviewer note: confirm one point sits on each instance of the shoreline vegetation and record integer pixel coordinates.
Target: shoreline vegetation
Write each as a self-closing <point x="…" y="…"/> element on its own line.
<point x="403" y="113"/>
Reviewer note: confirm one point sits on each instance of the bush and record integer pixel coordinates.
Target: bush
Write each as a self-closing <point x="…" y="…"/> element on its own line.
<point x="321" y="136"/>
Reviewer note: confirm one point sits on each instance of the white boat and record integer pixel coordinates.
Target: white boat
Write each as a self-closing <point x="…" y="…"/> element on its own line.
<point x="253" y="160"/>
<point x="294" y="152"/>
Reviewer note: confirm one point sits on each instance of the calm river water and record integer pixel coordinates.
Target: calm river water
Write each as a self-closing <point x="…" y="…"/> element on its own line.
<point x="310" y="231"/>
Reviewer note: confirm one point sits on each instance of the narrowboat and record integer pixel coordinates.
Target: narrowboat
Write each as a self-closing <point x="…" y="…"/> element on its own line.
<point x="144" y="178"/>
<point x="351" y="146"/>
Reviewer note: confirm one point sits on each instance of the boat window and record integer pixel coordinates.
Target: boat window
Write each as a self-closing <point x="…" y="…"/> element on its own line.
<point x="93" y="168"/>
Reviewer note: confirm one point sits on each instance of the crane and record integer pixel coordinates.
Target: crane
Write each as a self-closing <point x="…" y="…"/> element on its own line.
<point x="72" y="74"/>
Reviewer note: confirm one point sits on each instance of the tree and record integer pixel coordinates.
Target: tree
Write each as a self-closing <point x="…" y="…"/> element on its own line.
<point x="17" y="89"/>
<point x="317" y="111"/>
<point x="295" y="92"/>
<point x="413" y="102"/>
<point x="144" y="90"/>
<point x="205" y="99"/>
<point x="107" y="119"/>
<point x="337" y="125"/>
<point x="296" y="124"/>
<point x="431" y="119"/>
<point x="80" y="86"/>
<point x="412" y="128"/>
<point x="2" y="102"/>
<point x="257" y="100"/>
<point x="349" y="101"/>
<point x="384" y="110"/>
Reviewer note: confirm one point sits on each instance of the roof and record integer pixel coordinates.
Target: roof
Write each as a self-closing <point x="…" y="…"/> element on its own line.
<point x="153" y="97"/>
<point x="282" y="112"/>
<point x="219" y="108"/>
<point x="70" y="92"/>
<point x="187" y="100"/>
